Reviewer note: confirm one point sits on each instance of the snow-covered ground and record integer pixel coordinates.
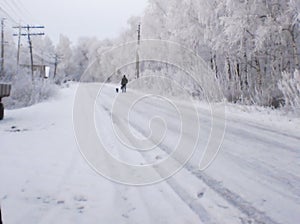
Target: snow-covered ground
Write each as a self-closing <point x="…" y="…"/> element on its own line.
<point x="45" y="179"/>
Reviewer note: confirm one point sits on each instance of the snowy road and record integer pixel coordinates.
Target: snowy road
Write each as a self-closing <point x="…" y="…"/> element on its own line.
<point x="44" y="179"/>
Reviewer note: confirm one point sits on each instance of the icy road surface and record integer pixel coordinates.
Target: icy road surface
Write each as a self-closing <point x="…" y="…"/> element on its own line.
<point x="45" y="179"/>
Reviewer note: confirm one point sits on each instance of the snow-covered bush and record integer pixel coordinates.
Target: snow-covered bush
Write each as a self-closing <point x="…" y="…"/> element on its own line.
<point x="25" y="93"/>
<point x="290" y="88"/>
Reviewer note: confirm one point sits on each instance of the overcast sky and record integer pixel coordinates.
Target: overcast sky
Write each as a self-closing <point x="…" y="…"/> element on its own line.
<point x="75" y="18"/>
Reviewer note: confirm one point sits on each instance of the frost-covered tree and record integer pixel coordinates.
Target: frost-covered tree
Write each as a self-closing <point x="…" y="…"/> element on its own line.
<point x="10" y="58"/>
<point x="262" y="37"/>
<point x="64" y="52"/>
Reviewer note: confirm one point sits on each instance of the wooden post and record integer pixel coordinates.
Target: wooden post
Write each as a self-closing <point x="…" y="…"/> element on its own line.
<point x="31" y="54"/>
<point x="19" y="48"/>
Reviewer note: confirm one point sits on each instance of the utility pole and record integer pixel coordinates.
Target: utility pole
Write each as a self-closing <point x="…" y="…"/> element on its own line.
<point x="2" y="46"/>
<point x="29" y="34"/>
<point x="19" y="46"/>
<point x="137" y="52"/>
<point x="139" y="34"/>
<point x="31" y="54"/>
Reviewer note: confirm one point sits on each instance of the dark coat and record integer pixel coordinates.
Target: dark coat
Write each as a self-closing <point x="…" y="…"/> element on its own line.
<point x="124" y="81"/>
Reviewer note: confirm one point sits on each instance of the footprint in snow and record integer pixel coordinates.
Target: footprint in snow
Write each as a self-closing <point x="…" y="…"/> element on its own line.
<point x="125" y="216"/>
<point x="80" y="209"/>
<point x="200" y="195"/>
<point x="60" y="202"/>
<point x="158" y="158"/>
<point x="80" y="198"/>
<point x="15" y="129"/>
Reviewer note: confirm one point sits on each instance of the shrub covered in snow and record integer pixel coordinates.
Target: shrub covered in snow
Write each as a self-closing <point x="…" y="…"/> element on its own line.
<point x="25" y="92"/>
<point x="290" y="87"/>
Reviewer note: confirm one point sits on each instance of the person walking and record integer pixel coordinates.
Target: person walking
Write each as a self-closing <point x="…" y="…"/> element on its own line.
<point x="124" y="84"/>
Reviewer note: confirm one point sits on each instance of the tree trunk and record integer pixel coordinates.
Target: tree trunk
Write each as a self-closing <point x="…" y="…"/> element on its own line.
<point x="238" y="73"/>
<point x="259" y="75"/>
<point x="245" y="75"/>
<point x="216" y="66"/>
<point x="295" y="49"/>
<point x="294" y="46"/>
<point x="229" y="69"/>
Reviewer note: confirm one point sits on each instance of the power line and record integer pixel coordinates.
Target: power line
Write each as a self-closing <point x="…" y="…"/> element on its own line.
<point x="8" y="16"/>
<point x="15" y="11"/>
<point x="23" y="8"/>
<point x="17" y="7"/>
<point x="11" y="9"/>
<point x="9" y="13"/>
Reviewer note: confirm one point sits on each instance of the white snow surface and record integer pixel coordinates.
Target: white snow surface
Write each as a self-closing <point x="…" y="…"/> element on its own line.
<point x="45" y="179"/>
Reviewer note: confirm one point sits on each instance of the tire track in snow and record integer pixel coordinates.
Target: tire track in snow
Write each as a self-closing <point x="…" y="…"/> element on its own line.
<point x="255" y="126"/>
<point x="199" y="210"/>
<point x="185" y="196"/>
<point x="236" y="200"/>
<point x="245" y="207"/>
<point x="290" y="181"/>
<point x="232" y="198"/>
<point x="195" y="206"/>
